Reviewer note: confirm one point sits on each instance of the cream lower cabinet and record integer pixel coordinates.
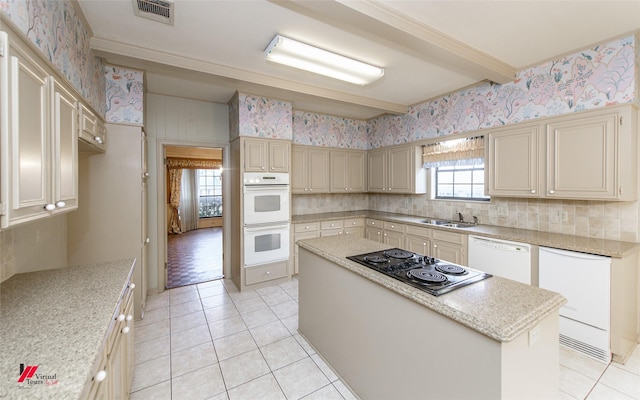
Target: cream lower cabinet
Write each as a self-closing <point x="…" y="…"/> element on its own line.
<point x="590" y="155"/>
<point x="449" y="246"/>
<point x="418" y="240"/>
<point x="113" y="371"/>
<point x="309" y="170"/>
<point x="354" y="226"/>
<point x="303" y="231"/>
<point x="393" y="234"/>
<point x="39" y="153"/>
<point x="396" y="170"/>
<point x="374" y="230"/>
<point x="348" y="171"/>
<point x="262" y="155"/>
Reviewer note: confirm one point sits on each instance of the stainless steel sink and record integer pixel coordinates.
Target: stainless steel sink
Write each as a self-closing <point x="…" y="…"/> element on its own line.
<point x="448" y="223"/>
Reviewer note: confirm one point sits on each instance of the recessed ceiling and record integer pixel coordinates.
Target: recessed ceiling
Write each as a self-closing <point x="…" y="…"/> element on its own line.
<point x="428" y="48"/>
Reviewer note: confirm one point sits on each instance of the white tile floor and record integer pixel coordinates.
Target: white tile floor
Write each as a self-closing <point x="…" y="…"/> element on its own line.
<point x="209" y="341"/>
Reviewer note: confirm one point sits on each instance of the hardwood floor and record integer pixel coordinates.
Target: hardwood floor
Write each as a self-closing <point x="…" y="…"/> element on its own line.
<point x="194" y="257"/>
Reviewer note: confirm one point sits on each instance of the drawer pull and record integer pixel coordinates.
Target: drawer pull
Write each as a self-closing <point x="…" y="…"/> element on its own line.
<point x="100" y="376"/>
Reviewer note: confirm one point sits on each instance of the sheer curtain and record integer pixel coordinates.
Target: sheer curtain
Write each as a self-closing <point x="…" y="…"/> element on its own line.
<point x="189" y="200"/>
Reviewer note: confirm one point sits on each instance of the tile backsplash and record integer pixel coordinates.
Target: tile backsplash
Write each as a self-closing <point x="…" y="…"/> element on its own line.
<point x="597" y="219"/>
<point x="7" y="258"/>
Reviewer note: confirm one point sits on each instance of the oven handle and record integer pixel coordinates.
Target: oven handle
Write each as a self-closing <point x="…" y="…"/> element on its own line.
<point x="262" y="228"/>
<point x="258" y="188"/>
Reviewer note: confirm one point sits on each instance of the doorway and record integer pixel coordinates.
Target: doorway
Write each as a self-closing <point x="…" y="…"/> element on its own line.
<point x="194" y="215"/>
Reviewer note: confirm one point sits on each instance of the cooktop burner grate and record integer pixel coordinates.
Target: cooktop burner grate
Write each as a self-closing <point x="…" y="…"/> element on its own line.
<point x="397" y="253"/>
<point x="377" y="259"/>
<point x="451" y="269"/>
<point x="427" y="276"/>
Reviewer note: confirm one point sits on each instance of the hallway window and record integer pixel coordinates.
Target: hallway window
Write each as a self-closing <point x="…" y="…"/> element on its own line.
<point x="210" y="193"/>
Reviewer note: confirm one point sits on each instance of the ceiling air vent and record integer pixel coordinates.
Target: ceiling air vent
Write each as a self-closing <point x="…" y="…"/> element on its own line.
<point x="157" y="10"/>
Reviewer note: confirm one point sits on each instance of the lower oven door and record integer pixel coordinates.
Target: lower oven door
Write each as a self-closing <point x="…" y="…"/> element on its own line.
<point x="266" y="244"/>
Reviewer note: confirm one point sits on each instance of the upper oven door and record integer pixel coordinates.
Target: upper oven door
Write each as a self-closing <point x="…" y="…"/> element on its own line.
<point x="266" y="204"/>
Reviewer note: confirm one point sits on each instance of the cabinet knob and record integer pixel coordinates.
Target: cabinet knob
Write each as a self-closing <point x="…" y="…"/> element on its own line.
<point x="345" y="189"/>
<point x="305" y="189"/>
<point x="384" y="189"/>
<point x="389" y="189"/>
<point x="146" y="174"/>
<point x="424" y="244"/>
<point x="272" y="168"/>
<point x="552" y="191"/>
<point x="146" y="241"/>
<point x="129" y="318"/>
<point x="268" y="272"/>
<point x="393" y="226"/>
<point x="126" y="330"/>
<point x="60" y="204"/>
<point x="121" y="317"/>
<point x="533" y="191"/>
<point x="261" y="167"/>
<point x="50" y="207"/>
<point x="306" y="227"/>
<point x="353" y="223"/>
<point x="311" y="190"/>
<point x="100" y="376"/>
<point x="435" y="246"/>
<point x="132" y="286"/>
<point x="98" y="139"/>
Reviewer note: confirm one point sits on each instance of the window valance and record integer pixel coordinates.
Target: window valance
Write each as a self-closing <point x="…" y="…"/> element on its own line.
<point x="192" y="163"/>
<point x="466" y="151"/>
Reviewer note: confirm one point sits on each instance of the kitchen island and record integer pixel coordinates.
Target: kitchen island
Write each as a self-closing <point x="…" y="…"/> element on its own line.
<point x="492" y="339"/>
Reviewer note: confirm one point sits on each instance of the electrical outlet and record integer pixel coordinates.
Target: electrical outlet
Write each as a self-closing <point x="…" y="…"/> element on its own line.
<point x="534" y="335"/>
<point x="502" y="211"/>
<point x="38" y="236"/>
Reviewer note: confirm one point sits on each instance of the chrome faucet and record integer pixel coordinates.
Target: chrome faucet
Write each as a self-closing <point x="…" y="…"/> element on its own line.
<point x="460" y="217"/>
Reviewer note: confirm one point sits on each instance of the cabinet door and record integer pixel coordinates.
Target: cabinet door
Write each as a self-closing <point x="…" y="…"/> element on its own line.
<point x="299" y="173"/>
<point x="318" y="170"/>
<point x="446" y="251"/>
<point x="339" y="172"/>
<point x="513" y="162"/>
<point x="377" y="171"/>
<point x="373" y="233"/>
<point x="582" y="158"/>
<point x="395" y="239"/>
<point x="356" y="171"/>
<point x="26" y="169"/>
<point x="255" y="155"/>
<point x="65" y="149"/>
<point x="419" y="245"/>
<point x="279" y="156"/>
<point x="401" y="173"/>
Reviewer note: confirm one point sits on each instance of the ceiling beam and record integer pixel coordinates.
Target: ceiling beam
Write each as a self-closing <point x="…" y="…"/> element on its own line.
<point x="105" y="47"/>
<point x="375" y="20"/>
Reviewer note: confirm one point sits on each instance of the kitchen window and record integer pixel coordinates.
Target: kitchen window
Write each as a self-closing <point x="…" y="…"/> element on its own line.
<point x="460" y="182"/>
<point x="209" y="193"/>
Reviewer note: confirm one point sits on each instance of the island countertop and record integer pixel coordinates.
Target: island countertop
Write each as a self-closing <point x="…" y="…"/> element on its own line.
<point x="603" y="247"/>
<point x="499" y="308"/>
<point x="57" y="320"/>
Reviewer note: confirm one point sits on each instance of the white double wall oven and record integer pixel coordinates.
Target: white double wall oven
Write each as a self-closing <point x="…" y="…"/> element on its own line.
<point x="266" y="218"/>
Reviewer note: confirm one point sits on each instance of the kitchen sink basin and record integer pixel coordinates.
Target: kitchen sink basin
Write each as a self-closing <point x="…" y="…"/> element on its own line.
<point x="448" y="224"/>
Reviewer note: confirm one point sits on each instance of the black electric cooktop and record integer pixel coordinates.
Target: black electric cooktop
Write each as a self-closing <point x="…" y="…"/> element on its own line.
<point x="425" y="273"/>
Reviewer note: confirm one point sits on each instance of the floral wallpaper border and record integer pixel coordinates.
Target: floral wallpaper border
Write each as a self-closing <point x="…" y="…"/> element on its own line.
<point x="124" y="95"/>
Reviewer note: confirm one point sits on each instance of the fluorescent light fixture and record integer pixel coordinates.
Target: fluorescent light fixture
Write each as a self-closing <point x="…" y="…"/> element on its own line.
<point x="295" y="54"/>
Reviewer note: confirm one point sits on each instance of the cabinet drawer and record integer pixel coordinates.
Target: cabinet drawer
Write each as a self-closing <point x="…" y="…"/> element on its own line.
<point x="356" y="230"/>
<point x="418" y="231"/>
<point x="331" y="232"/>
<point x="265" y="273"/>
<point x="352" y="222"/>
<point x="376" y="223"/>
<point x="313" y="226"/>
<point x="331" y="224"/>
<point x="393" y="226"/>
<point x="450" y="237"/>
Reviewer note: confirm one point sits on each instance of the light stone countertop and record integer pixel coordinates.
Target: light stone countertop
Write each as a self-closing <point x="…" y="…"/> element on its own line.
<point x="57" y="320"/>
<point x="499" y="308"/>
<point x="603" y="247"/>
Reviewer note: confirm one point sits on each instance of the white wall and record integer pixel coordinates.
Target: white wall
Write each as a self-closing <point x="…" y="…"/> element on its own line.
<point x="176" y="121"/>
<point x="41" y="244"/>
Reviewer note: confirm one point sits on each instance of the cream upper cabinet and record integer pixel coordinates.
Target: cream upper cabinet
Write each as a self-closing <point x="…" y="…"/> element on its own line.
<point x="590" y="155"/>
<point x="39" y="163"/>
<point x="593" y="156"/>
<point x="396" y="170"/>
<point x="348" y="171"/>
<point x="266" y="155"/>
<point x="92" y="131"/>
<point x="513" y="166"/>
<point x="309" y="170"/>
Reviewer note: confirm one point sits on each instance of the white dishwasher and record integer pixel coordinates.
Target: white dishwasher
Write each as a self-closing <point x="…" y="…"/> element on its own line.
<point x="501" y="258"/>
<point x="584" y="279"/>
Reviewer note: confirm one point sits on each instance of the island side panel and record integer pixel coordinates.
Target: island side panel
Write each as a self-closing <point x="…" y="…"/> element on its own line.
<point x="372" y="337"/>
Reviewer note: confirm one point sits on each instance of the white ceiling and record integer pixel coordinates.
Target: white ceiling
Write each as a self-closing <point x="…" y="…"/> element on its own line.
<point x="428" y="48"/>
